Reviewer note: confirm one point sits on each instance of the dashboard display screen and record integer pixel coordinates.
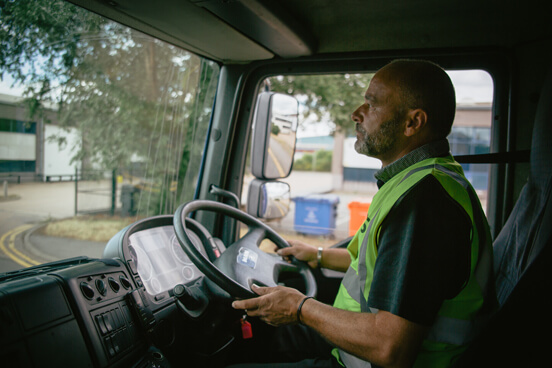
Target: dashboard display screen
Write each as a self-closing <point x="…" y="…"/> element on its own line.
<point x="161" y="262"/>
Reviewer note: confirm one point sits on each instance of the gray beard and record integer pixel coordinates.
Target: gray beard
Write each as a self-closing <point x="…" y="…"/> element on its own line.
<point x="377" y="143"/>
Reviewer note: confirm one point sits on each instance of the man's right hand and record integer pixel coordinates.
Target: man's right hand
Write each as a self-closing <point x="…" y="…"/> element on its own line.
<point x="300" y="250"/>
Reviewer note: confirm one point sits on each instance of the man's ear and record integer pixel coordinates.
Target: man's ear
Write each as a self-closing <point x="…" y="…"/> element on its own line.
<point x="416" y="121"/>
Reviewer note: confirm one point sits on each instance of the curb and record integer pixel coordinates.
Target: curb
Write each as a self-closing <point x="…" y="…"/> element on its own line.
<point x="32" y="248"/>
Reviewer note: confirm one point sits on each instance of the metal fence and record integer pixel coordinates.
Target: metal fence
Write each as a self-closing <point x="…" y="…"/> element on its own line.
<point x="96" y="191"/>
<point x="108" y="191"/>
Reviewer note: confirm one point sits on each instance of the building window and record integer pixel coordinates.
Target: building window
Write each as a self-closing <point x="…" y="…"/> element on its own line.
<point x="17" y="126"/>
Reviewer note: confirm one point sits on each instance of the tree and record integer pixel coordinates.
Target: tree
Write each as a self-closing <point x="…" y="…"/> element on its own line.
<point x="132" y="97"/>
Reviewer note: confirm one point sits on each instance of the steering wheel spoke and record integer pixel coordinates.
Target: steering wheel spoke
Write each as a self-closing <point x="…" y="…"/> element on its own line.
<point x="251" y="240"/>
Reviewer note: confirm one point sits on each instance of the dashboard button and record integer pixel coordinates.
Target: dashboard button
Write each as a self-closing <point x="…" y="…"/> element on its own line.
<point x="109" y="346"/>
<point x="101" y="324"/>
<point x="115" y="318"/>
<point x="108" y="321"/>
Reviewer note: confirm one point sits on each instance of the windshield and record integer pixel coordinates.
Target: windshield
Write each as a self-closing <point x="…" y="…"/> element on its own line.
<point x="99" y="125"/>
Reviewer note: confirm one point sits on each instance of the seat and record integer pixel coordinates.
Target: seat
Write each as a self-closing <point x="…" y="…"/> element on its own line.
<point x="517" y="335"/>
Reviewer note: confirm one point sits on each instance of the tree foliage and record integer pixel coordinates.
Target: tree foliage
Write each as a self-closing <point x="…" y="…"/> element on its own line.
<point x="333" y="96"/>
<point x="132" y="98"/>
<point x="321" y="160"/>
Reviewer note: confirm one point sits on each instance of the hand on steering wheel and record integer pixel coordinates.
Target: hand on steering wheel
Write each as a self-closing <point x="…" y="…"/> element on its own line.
<point x="243" y="263"/>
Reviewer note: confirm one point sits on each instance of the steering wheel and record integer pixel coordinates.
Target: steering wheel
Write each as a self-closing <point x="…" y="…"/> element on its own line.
<point x="243" y="263"/>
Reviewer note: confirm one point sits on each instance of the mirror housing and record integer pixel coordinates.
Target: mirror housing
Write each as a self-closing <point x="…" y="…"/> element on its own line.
<point x="268" y="200"/>
<point x="274" y="135"/>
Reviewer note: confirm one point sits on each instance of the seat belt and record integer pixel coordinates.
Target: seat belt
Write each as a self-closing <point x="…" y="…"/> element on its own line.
<point x="495" y="158"/>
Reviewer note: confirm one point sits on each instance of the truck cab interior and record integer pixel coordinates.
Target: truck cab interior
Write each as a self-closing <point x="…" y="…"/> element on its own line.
<point x="123" y="310"/>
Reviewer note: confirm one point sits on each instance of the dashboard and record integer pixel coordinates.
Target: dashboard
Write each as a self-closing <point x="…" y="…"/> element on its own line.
<point x="110" y="312"/>
<point x="74" y="312"/>
<point x="143" y="304"/>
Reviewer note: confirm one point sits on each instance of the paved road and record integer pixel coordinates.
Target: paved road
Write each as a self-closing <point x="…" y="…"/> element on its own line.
<point x="12" y="230"/>
<point x="37" y="203"/>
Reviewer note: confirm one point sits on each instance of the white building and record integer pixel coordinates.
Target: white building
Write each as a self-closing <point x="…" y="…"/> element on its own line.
<point x="27" y="148"/>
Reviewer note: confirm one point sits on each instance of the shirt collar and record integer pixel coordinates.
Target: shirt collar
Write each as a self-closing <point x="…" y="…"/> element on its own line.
<point x="434" y="149"/>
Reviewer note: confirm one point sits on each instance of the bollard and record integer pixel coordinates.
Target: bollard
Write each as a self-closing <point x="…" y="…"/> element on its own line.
<point x="5" y="188"/>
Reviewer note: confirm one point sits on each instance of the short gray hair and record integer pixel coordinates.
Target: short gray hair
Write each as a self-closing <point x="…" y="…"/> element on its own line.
<point x="425" y="85"/>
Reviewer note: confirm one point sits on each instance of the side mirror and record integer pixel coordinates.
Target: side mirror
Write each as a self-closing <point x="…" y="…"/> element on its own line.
<point x="274" y="134"/>
<point x="268" y="200"/>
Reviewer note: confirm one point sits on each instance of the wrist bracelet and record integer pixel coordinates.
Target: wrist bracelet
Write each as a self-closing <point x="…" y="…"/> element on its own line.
<point x="319" y="257"/>
<point x="301" y="307"/>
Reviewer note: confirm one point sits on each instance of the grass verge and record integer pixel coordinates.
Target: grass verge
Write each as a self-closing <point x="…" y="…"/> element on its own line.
<point x="98" y="228"/>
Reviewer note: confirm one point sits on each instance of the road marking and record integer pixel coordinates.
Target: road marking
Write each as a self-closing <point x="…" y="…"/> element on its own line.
<point x="12" y="252"/>
<point x="281" y="207"/>
<point x="278" y="166"/>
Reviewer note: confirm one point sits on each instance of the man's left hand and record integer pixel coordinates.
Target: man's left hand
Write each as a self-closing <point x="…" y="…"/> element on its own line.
<point x="275" y="305"/>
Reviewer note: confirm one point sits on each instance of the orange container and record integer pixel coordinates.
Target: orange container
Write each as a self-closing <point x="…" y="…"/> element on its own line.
<point x="357" y="214"/>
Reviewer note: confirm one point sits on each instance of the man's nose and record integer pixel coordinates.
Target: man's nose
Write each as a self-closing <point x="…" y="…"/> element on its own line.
<point x="356" y="117"/>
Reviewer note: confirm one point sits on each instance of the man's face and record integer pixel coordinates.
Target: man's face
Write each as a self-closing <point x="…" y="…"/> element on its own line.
<point x="378" y="120"/>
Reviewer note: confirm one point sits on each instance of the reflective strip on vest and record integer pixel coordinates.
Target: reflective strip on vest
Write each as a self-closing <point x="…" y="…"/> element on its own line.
<point x="351" y="361"/>
<point x="354" y="281"/>
<point x="351" y="282"/>
<point x="362" y="269"/>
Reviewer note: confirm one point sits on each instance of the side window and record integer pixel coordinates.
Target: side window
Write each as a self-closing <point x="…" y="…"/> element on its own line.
<point x="332" y="185"/>
<point x="471" y="131"/>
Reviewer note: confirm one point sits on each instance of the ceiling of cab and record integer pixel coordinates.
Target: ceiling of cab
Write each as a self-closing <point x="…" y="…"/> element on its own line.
<point x="246" y="30"/>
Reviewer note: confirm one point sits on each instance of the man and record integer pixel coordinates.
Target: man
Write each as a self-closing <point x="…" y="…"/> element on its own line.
<point x="418" y="281"/>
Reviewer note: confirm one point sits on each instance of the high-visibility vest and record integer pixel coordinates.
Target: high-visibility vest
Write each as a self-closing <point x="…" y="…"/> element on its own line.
<point x="459" y="319"/>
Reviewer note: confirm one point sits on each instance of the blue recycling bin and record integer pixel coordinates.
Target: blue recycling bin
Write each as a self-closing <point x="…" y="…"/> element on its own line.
<point x="316" y="214"/>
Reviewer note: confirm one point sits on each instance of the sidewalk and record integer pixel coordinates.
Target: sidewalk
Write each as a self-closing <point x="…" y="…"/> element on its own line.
<point x="52" y="200"/>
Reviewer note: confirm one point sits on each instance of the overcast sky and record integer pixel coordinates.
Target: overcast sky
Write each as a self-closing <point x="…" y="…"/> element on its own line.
<point x="5" y="87"/>
<point x="472" y="86"/>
